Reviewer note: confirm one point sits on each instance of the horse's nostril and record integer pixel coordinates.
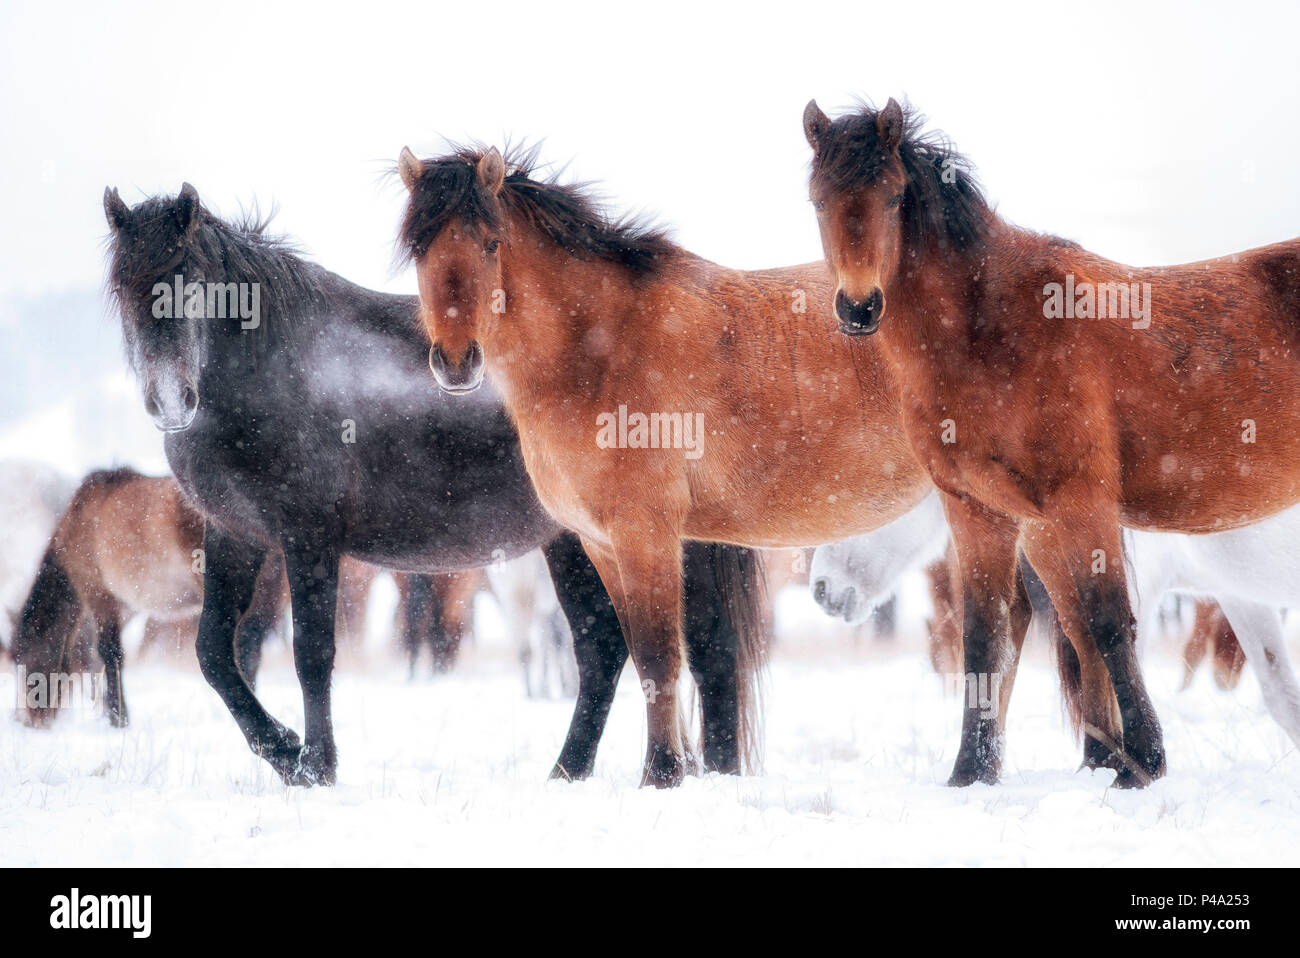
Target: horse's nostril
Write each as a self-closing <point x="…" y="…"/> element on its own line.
<point x="190" y="398"/>
<point x="151" y="406"/>
<point x="819" y="591"/>
<point x="849" y="597"/>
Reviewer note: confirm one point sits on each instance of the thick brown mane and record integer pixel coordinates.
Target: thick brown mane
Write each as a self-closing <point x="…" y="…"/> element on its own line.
<point x="566" y="212"/>
<point x="942" y="203"/>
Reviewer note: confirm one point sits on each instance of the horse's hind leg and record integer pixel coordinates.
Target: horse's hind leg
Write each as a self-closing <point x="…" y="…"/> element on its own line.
<point x="1088" y="536"/>
<point x="229" y="580"/>
<point x="260" y="619"/>
<point x="1259" y="629"/>
<point x="109" y="631"/>
<point x="444" y="635"/>
<point x="1094" y="711"/>
<point x="313" y="589"/>
<point x="598" y="647"/>
<point x="417" y="616"/>
<point x="712" y="649"/>
<point x="1199" y="641"/>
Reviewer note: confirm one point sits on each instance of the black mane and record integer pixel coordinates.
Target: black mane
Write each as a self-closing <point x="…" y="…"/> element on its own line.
<point x="152" y="247"/>
<point x="942" y="202"/>
<point x="567" y="213"/>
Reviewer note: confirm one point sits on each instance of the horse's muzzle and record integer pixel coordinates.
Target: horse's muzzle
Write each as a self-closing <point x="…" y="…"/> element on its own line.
<point x="457" y="378"/>
<point x="172" y="409"/>
<point x="859" y="319"/>
<point x="839" y="602"/>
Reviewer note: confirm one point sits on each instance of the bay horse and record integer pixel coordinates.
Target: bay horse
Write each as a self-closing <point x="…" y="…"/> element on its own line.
<point x="1053" y="395"/>
<point x="306" y="426"/>
<point x="436" y="611"/>
<point x="125" y="544"/>
<point x="659" y="397"/>
<point x="1246" y="576"/>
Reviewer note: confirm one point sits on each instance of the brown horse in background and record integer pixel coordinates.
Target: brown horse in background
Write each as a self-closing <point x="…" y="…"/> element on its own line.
<point x="127" y="543"/>
<point x="1052" y="395"/>
<point x="438" y="611"/>
<point x="1211" y="633"/>
<point x="658" y="397"/>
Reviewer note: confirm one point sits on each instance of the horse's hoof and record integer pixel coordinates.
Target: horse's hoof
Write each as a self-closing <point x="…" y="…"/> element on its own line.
<point x="1131" y="778"/>
<point x="663" y="768"/>
<point x="36" y="718"/>
<point x="562" y="774"/>
<point x="1096" y="755"/>
<point x="315" y="766"/>
<point x="964" y="775"/>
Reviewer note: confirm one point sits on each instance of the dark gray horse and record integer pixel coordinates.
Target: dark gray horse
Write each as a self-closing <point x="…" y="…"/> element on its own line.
<point x="300" y="417"/>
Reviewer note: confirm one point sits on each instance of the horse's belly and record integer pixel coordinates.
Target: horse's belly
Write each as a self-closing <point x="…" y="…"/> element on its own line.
<point x="1199" y="491"/>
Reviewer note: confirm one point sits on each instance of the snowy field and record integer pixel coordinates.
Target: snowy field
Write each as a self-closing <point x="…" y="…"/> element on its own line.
<point x="452" y="771"/>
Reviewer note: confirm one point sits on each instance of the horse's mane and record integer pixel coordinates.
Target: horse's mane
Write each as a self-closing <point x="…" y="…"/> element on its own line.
<point x="152" y="247"/>
<point x="568" y="213"/>
<point x="943" y="202"/>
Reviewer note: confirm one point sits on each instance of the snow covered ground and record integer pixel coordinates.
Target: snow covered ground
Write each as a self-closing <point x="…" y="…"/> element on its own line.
<point x="452" y="772"/>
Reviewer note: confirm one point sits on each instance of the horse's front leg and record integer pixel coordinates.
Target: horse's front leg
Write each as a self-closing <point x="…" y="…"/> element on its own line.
<point x="598" y="647"/>
<point x="643" y="571"/>
<point x="986" y="550"/>
<point x="313" y="570"/>
<point x="229" y="579"/>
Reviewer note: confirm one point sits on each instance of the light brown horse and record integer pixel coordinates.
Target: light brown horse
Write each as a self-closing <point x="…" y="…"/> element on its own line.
<point x="1052" y="395"/>
<point x="127" y="543"/>
<point x="658" y="396"/>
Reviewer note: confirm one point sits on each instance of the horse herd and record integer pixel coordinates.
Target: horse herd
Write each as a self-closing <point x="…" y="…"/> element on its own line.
<point x="943" y="383"/>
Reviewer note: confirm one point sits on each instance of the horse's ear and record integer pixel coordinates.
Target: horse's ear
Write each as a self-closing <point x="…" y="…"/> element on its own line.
<point x="187" y="209"/>
<point x="889" y="125"/>
<point x="815" y="124"/>
<point x="492" y="170"/>
<point x="115" y="210"/>
<point x="410" y="168"/>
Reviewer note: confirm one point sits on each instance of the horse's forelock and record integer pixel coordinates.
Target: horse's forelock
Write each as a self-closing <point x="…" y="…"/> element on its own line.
<point x="943" y="202"/>
<point x="449" y="189"/>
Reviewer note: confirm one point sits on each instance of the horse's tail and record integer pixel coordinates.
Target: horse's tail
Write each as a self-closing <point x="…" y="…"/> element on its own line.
<point x="1067" y="660"/>
<point x="46" y="641"/>
<point x="742" y="586"/>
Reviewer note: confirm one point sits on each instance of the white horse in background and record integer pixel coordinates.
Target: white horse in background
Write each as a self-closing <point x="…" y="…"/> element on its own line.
<point x="524" y="590"/>
<point x="850" y="578"/>
<point x="32" y="498"/>
<point x="1252" y="572"/>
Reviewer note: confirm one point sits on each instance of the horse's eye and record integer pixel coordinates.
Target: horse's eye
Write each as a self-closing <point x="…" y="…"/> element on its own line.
<point x="893" y="204"/>
<point x="492" y="246"/>
<point x="819" y="206"/>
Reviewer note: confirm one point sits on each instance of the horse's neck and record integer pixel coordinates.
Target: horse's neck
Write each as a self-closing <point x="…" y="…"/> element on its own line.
<point x="933" y="303"/>
<point x="556" y="306"/>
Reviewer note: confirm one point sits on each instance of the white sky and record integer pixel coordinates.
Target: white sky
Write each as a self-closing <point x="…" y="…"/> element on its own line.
<point x="1150" y="133"/>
